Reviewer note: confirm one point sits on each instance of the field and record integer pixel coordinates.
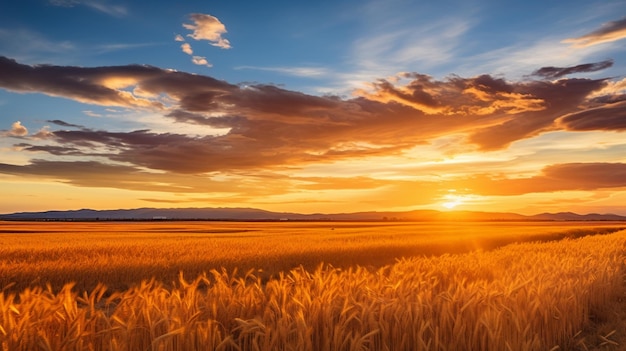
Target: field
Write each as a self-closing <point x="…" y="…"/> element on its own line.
<point x="310" y="286"/>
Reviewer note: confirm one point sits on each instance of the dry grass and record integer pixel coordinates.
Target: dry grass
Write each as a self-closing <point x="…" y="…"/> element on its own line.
<point x="527" y="296"/>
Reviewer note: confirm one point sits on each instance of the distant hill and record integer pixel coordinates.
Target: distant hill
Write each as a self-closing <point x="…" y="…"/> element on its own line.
<point x="252" y="214"/>
<point x="570" y="216"/>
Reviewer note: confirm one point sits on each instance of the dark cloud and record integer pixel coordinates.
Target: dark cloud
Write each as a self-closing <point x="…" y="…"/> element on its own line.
<point x="589" y="176"/>
<point x="267" y="126"/>
<point x="51" y="149"/>
<point x="558" y="177"/>
<point x="560" y="97"/>
<point x="87" y="85"/>
<point x="608" y="99"/>
<point x="64" y="124"/>
<point x="558" y="72"/>
<point x="611" y="117"/>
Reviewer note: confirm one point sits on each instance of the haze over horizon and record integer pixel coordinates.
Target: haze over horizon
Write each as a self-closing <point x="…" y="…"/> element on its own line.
<point x="320" y="107"/>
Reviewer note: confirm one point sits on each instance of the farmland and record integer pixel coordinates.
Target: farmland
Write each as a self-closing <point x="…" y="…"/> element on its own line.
<point x="308" y="286"/>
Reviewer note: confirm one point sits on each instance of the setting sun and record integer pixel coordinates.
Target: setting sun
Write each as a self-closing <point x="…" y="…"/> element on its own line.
<point x="452" y="204"/>
<point x="453" y="199"/>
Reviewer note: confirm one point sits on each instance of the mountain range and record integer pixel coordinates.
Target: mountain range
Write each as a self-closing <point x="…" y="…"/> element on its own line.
<point x="252" y="214"/>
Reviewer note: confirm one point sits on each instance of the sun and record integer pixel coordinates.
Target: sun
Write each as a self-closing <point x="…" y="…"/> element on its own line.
<point x="452" y="204"/>
<point x="452" y="200"/>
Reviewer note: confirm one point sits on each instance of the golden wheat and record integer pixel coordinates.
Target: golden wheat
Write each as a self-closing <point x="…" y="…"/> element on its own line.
<point x="528" y="296"/>
<point x="120" y="255"/>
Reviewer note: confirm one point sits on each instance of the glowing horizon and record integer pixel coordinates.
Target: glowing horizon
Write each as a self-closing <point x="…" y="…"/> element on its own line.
<point x="381" y="108"/>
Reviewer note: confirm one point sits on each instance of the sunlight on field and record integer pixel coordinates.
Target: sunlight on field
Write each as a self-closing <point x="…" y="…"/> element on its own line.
<point x="452" y="291"/>
<point x="122" y="254"/>
<point x="475" y="301"/>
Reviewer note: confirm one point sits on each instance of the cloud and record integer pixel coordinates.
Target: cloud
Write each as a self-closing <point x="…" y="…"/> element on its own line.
<point x="560" y="97"/>
<point x="611" y="117"/>
<point x="101" y="6"/>
<point x="103" y="175"/>
<point x="17" y="129"/>
<point x="53" y="150"/>
<point x="113" y="10"/>
<point x="292" y="71"/>
<point x="558" y="72"/>
<point x="179" y="37"/>
<point x="383" y="47"/>
<point x="265" y="126"/>
<point x="24" y="42"/>
<point x="64" y="124"/>
<point x="610" y="31"/>
<point x="186" y="47"/>
<point x="43" y="133"/>
<point x="478" y="96"/>
<point x="91" y="113"/>
<point x="558" y="177"/>
<point x="99" y="86"/>
<point x="200" y="61"/>
<point x="64" y="3"/>
<point x="207" y="27"/>
<point x="105" y="48"/>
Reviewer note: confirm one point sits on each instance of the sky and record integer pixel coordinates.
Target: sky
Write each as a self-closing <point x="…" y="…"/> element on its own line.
<point x="325" y="106"/>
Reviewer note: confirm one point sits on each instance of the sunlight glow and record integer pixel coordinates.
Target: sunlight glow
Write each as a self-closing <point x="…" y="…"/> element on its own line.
<point x="452" y="204"/>
<point x="452" y="200"/>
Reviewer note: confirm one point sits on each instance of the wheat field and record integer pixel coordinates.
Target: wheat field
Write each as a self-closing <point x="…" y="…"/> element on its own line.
<point x="521" y="296"/>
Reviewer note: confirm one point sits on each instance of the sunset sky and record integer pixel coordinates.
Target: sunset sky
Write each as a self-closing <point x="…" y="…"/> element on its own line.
<point x="324" y="106"/>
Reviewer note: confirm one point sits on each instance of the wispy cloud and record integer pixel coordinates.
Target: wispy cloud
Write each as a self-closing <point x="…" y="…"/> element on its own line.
<point x="101" y="6"/>
<point x="65" y="124"/>
<point x="30" y="45"/>
<point x="558" y="72"/>
<point x="102" y="48"/>
<point x="113" y="10"/>
<point x="609" y="32"/>
<point x="417" y="46"/>
<point x="24" y="42"/>
<point x="303" y="71"/>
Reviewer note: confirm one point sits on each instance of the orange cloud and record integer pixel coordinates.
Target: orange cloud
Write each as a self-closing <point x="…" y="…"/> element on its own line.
<point x="268" y="126"/>
<point x="558" y="177"/>
<point x="17" y="129"/>
<point x="610" y="31"/>
<point x="97" y="174"/>
<point x="200" y="61"/>
<point x="482" y="95"/>
<point x="186" y="47"/>
<point x="207" y="27"/>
